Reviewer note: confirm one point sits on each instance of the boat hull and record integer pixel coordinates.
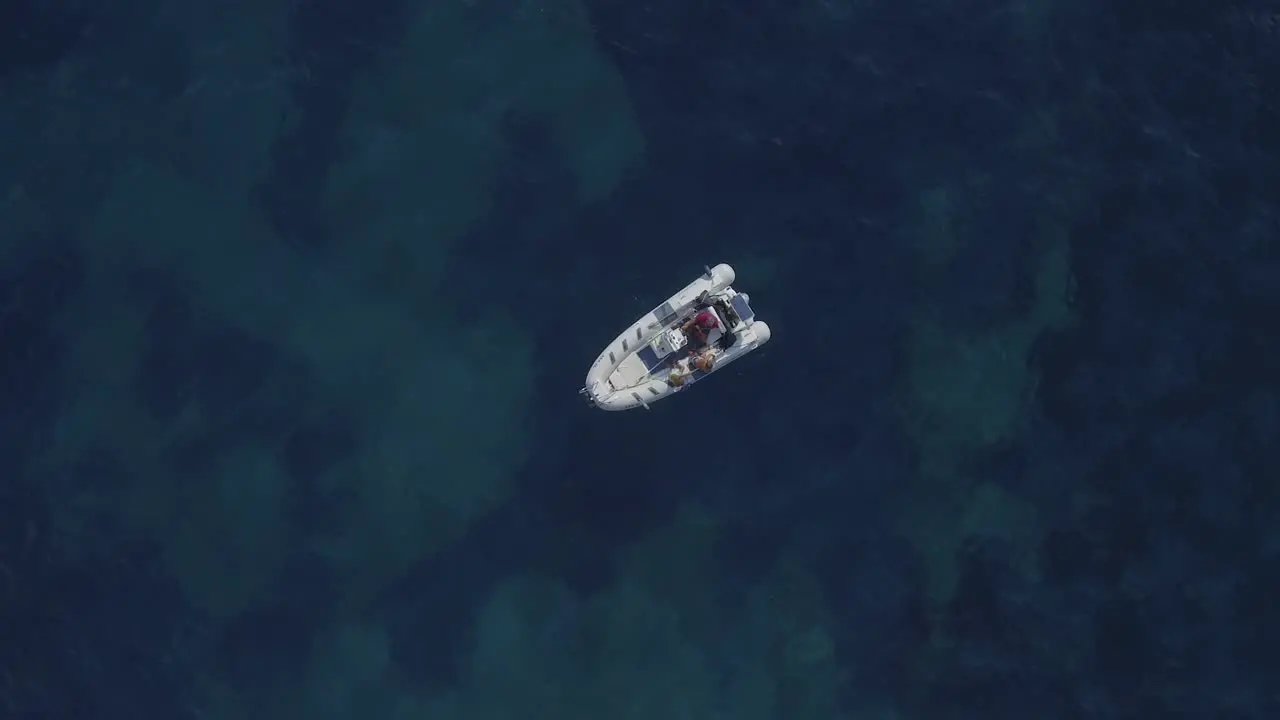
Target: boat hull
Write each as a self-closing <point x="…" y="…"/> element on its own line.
<point x="622" y="376"/>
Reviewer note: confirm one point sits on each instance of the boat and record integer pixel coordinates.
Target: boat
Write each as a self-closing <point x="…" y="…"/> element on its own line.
<point x="652" y="359"/>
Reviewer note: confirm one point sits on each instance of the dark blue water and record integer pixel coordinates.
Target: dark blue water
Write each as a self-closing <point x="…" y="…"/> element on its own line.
<point x="295" y="299"/>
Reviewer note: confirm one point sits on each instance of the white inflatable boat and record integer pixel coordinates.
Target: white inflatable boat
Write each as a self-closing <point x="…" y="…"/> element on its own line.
<point x="652" y="359"/>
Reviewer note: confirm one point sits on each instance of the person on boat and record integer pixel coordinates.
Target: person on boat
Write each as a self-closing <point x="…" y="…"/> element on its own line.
<point x="680" y="371"/>
<point x="698" y="327"/>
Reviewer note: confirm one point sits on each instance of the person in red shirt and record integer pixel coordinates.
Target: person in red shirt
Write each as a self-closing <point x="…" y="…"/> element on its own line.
<point x="698" y="327"/>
